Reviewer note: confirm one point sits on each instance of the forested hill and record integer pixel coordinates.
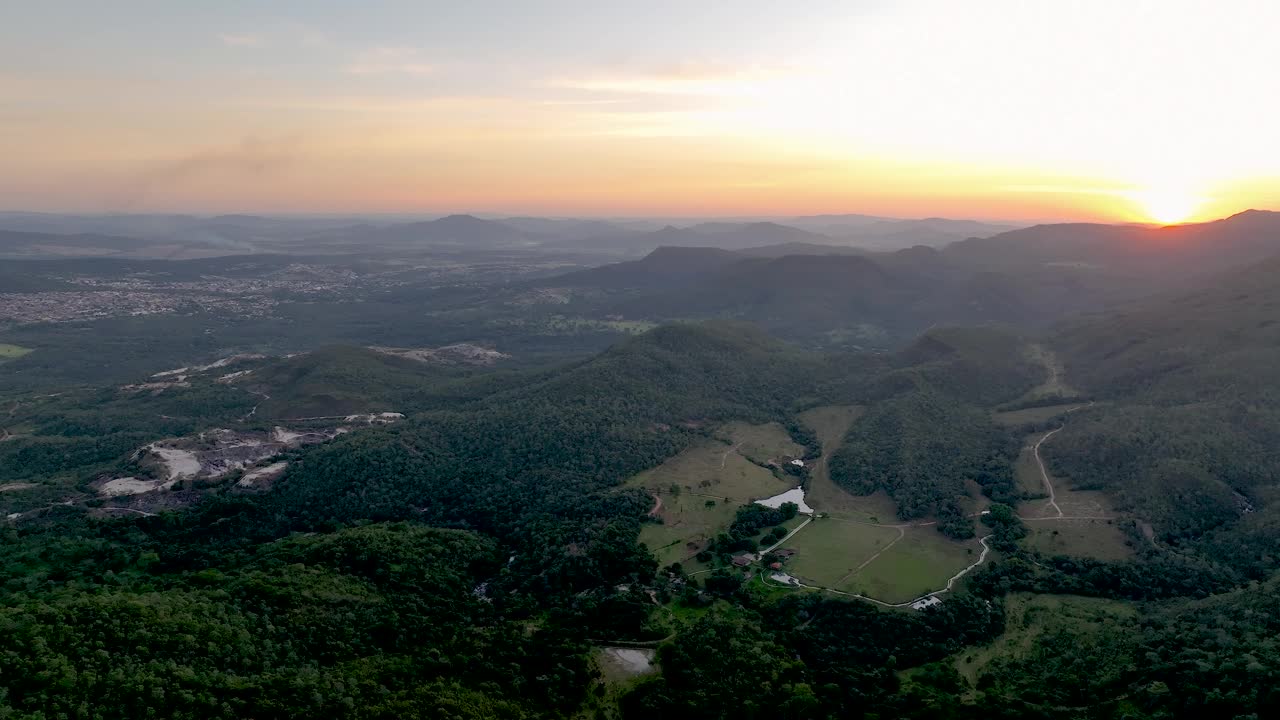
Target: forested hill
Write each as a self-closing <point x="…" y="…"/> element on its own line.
<point x="928" y="427"/>
<point x="565" y="435"/>
<point x="1177" y="251"/>
<point x="1187" y="439"/>
<point x="1196" y="344"/>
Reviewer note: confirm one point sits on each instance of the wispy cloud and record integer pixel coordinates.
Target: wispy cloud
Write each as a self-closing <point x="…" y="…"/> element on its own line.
<point x="391" y="61"/>
<point x="242" y="39"/>
<point x="690" y="78"/>
<point x="291" y="34"/>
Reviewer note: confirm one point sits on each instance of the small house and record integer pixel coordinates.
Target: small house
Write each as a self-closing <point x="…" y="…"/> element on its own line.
<point x="743" y="559"/>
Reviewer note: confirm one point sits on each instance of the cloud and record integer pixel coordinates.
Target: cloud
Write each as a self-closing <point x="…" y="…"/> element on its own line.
<point x="689" y="78"/>
<point x="291" y="34"/>
<point x="242" y="39"/>
<point x="390" y="61"/>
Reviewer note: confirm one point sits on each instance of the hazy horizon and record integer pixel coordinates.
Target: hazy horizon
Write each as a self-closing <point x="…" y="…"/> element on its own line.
<point x="1006" y="111"/>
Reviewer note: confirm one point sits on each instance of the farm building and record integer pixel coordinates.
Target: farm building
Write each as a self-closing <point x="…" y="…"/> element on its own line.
<point x="928" y="602"/>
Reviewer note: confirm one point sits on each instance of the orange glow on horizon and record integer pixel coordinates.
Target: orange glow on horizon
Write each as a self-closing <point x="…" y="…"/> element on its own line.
<point x="1168" y="206"/>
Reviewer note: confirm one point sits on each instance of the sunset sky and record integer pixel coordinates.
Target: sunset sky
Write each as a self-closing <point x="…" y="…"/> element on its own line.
<point x="1019" y="109"/>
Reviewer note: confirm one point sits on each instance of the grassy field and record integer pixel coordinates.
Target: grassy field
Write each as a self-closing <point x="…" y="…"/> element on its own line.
<point x="1055" y="382"/>
<point x="687" y="523"/>
<point x="1100" y="539"/>
<point x="920" y="563"/>
<point x="881" y="562"/>
<point x="829" y="550"/>
<point x="1013" y="418"/>
<point x="712" y="471"/>
<point x="830" y="423"/>
<point x="12" y="352"/>
<point x="714" y="468"/>
<point x="1027" y="471"/>
<point x="1091" y="504"/>
<point x="1033" y="619"/>
<point x="1081" y="503"/>
<point x="760" y="443"/>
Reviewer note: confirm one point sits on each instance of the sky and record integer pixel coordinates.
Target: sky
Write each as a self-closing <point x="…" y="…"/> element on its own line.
<point x="1115" y="110"/>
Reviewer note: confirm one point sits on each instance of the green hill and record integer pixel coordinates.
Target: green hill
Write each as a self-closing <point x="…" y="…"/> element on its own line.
<point x="342" y="380"/>
<point x="1187" y="437"/>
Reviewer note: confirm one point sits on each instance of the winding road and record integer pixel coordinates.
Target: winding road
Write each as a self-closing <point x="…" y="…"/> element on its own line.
<point x="1048" y="484"/>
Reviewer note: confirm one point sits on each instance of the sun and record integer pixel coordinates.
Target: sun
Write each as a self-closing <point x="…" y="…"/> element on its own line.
<point x="1167" y="206"/>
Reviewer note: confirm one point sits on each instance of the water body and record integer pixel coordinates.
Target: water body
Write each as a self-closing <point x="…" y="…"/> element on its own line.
<point x="631" y="661"/>
<point x="794" y="495"/>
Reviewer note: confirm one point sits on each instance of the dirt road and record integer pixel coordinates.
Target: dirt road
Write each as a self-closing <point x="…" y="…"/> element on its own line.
<point x="1044" y="475"/>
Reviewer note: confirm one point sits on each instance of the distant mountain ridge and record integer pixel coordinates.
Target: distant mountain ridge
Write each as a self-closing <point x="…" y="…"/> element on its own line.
<point x="1178" y="250"/>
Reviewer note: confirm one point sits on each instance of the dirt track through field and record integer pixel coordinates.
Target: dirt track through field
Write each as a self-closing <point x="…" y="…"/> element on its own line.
<point x="1044" y="475"/>
<point x="725" y="457"/>
<point x="1048" y="484"/>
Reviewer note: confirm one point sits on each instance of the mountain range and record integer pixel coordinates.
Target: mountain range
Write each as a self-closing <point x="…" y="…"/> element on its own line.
<point x="1028" y="278"/>
<point x="187" y="236"/>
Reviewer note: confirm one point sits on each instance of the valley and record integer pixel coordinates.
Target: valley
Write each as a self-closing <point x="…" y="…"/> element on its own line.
<point x="607" y="475"/>
<point x="619" y="361"/>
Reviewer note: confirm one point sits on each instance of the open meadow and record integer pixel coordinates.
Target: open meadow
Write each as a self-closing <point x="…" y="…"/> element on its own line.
<point x="1098" y="539"/>
<point x="714" y="478"/>
<point x="830" y="423"/>
<point x="1034" y="415"/>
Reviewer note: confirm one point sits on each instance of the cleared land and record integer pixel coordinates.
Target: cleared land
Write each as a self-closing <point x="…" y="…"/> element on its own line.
<point x="888" y="563"/>
<point x="1013" y="418"/>
<point x="12" y="352"/>
<point x="828" y="551"/>
<point x="714" y="480"/>
<point x="1027" y="471"/>
<point x="1086" y="504"/>
<point x="1077" y="523"/>
<point x="1031" y="476"/>
<point x="687" y="524"/>
<point x="920" y="563"/>
<point x="861" y="547"/>
<point x="1055" y="382"/>
<point x="760" y="443"/>
<point x="1100" y="539"/>
<point x="716" y="469"/>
